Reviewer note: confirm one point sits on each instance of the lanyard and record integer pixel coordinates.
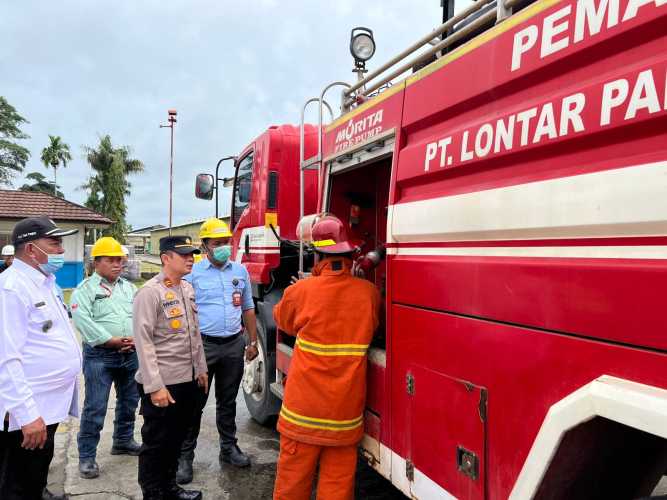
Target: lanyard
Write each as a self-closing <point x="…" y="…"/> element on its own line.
<point x="107" y="289"/>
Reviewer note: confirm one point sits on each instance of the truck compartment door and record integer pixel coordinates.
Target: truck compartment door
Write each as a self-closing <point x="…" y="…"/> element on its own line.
<point x="447" y="426"/>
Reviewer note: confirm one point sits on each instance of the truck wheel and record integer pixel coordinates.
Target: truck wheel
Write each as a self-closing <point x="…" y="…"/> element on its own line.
<point x="258" y="375"/>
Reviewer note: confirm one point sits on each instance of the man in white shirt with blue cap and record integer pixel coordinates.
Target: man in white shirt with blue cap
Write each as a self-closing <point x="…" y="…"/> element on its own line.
<point x="40" y="360"/>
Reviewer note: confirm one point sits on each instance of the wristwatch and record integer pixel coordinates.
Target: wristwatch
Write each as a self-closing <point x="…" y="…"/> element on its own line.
<point x="253" y="343"/>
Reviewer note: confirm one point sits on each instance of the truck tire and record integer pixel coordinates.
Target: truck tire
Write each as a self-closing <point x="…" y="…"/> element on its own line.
<point x="258" y="375"/>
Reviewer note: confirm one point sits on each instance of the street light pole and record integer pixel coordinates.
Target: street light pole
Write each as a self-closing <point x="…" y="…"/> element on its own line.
<point x="172" y="119"/>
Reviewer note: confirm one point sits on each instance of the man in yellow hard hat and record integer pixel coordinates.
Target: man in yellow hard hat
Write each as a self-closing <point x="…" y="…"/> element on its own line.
<point x="224" y="299"/>
<point x="102" y="312"/>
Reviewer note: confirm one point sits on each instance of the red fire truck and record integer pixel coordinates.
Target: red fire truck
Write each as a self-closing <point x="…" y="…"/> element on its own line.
<point x="518" y="182"/>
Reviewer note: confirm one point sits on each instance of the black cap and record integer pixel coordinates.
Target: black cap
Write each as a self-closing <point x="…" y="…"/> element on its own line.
<point x="178" y="244"/>
<point x="34" y="228"/>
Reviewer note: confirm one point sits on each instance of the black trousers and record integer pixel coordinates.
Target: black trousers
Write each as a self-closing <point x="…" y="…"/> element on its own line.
<point x="225" y="365"/>
<point x="163" y="433"/>
<point x="24" y="473"/>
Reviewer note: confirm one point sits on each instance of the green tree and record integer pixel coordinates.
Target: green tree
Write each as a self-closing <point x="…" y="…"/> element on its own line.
<point x="54" y="154"/>
<point x="94" y="190"/>
<point x="13" y="156"/>
<point x="40" y="185"/>
<point x="108" y="186"/>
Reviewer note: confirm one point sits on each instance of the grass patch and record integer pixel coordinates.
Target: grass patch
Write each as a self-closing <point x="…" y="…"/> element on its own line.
<point x="147" y="267"/>
<point x="67" y="292"/>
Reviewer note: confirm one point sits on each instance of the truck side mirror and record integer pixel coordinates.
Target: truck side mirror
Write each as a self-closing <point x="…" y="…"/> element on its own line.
<point x="204" y="186"/>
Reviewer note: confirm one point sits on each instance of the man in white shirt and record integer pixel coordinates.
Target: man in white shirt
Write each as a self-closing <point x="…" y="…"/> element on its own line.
<point x="40" y="360"/>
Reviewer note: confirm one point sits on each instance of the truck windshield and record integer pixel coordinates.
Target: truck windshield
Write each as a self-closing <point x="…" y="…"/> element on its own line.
<point x="242" y="187"/>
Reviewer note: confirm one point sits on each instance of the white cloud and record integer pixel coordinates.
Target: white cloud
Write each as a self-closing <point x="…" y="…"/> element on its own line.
<point x="79" y="69"/>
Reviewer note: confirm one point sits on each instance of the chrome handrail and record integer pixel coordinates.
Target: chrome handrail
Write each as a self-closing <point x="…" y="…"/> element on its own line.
<point x="425" y="40"/>
<point x="480" y="21"/>
<point x="302" y="153"/>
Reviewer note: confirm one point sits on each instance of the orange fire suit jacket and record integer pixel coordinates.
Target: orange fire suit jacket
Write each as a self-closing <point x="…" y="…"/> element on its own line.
<point x="333" y="316"/>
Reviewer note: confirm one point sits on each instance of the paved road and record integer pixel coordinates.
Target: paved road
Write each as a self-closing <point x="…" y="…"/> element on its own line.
<point x="118" y="478"/>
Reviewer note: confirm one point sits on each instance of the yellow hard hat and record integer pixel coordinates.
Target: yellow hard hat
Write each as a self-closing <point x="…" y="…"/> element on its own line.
<point x="214" y="228"/>
<point x="107" y="247"/>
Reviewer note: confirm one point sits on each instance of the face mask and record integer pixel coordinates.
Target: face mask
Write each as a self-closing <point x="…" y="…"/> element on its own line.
<point x="55" y="262"/>
<point x="222" y="254"/>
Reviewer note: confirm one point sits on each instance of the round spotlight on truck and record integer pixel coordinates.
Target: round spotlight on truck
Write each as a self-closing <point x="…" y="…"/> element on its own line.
<point x="362" y="44"/>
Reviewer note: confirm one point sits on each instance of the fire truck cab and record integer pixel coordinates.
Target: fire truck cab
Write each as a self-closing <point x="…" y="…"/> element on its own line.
<point x="265" y="210"/>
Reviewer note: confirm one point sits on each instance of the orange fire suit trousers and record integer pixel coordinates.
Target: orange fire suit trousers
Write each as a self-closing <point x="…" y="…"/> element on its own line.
<point x="297" y="465"/>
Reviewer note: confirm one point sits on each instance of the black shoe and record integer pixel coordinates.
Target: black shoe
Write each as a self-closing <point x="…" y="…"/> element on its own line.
<point x="47" y="495"/>
<point x="88" y="468"/>
<point x="129" y="448"/>
<point x="235" y="456"/>
<point x="178" y="493"/>
<point x="184" y="472"/>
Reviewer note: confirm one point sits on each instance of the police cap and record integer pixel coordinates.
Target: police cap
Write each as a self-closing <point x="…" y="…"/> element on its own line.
<point x="178" y="244"/>
<point x="34" y="228"/>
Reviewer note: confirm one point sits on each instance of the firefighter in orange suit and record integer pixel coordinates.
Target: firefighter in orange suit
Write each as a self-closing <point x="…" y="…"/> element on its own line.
<point x="333" y="316"/>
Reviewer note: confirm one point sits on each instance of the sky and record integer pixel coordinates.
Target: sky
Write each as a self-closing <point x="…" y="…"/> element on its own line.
<point x="81" y="69"/>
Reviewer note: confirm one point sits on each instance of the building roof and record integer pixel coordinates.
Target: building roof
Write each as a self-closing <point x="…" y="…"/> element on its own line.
<point x="21" y="204"/>
<point x="185" y="224"/>
<point x="145" y="230"/>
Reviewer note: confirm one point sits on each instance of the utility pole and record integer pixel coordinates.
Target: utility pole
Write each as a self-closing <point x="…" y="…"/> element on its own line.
<point x="172" y="120"/>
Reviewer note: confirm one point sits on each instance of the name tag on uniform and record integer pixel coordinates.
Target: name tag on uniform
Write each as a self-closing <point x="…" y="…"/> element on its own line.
<point x="236" y="299"/>
<point x="173" y="311"/>
<point x="48" y="324"/>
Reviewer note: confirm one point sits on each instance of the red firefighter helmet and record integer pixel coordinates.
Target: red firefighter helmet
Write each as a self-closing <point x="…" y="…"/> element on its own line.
<point x="330" y="236"/>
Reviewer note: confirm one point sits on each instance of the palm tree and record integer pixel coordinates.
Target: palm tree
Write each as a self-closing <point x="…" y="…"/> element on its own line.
<point x="108" y="185"/>
<point x="102" y="157"/>
<point x="53" y="155"/>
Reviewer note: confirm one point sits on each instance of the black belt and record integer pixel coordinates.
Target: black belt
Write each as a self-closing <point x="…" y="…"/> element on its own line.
<point x="221" y="340"/>
<point x="111" y="349"/>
